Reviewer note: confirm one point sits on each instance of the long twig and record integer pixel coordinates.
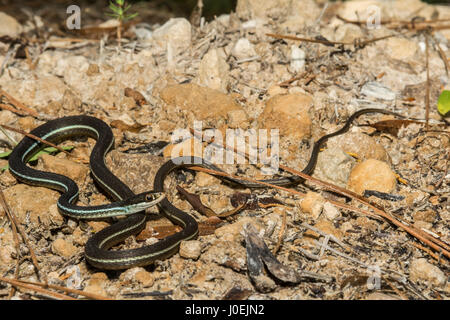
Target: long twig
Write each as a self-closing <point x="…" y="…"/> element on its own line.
<point x="432" y="242"/>
<point x="32" y="136"/>
<point x="427" y="92"/>
<point x="36" y="287"/>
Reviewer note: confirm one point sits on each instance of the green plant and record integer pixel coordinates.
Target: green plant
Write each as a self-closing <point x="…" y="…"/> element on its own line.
<point x="443" y="103"/>
<point x="119" y="10"/>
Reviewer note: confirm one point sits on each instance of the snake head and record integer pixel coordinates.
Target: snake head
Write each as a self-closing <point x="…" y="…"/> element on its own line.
<point x="143" y="201"/>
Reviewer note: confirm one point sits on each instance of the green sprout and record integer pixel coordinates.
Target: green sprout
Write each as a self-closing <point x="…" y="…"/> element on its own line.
<point x="119" y="10"/>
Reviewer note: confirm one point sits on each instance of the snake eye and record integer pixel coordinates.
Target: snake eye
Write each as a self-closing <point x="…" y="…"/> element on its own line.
<point x="148" y="197"/>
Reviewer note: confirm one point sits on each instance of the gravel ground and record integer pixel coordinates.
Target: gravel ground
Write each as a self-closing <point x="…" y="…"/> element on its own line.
<point x="170" y="73"/>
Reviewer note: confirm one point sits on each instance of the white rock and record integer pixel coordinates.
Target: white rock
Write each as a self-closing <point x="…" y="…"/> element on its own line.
<point x="9" y="26"/>
<point x="297" y="59"/>
<point x="243" y="49"/>
<point x="175" y="34"/>
<point x="376" y="90"/>
<point x="421" y="269"/>
<point x="330" y="211"/>
<point x="190" y="249"/>
<point x="213" y="70"/>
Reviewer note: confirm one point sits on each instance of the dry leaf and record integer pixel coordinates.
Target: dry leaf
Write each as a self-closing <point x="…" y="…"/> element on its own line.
<point x="119" y="124"/>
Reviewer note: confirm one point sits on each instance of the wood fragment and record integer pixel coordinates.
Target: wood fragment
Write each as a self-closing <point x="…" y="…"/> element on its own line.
<point x="119" y="124"/>
<point x="136" y="95"/>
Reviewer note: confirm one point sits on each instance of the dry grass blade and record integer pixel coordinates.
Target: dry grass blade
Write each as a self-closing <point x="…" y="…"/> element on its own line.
<point x="18" y="105"/>
<point x="16" y="226"/>
<point x="432" y="242"/>
<point x="429" y="240"/>
<point x="37" y="288"/>
<point x="36" y="138"/>
<point x="69" y="290"/>
<point x="427" y="93"/>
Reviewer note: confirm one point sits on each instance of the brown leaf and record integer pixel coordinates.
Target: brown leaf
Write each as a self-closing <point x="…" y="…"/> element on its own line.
<point x="392" y="126"/>
<point x="136" y="95"/>
<point x="119" y="124"/>
<point x="196" y="203"/>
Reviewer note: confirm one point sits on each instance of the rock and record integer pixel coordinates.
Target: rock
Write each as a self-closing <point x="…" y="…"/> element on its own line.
<point x="289" y="114"/>
<point x="421" y="270"/>
<point x="64" y="248"/>
<point x="250" y="9"/>
<point x="381" y="296"/>
<point x="136" y="170"/>
<point x="312" y="204"/>
<point x="97" y="225"/>
<point x="243" y="49"/>
<point x="7" y="249"/>
<point x="360" y="144"/>
<point x="174" y="35"/>
<point x="378" y="91"/>
<point x="145" y="278"/>
<point x="399" y="48"/>
<point x="34" y="204"/>
<point x="330" y="211"/>
<point x="203" y="103"/>
<point x="297" y="59"/>
<point x="325" y="226"/>
<point x="230" y="254"/>
<point x="213" y="70"/>
<point x="295" y="13"/>
<point x="237" y="119"/>
<point x="93" y="69"/>
<point x="231" y="232"/>
<point x="203" y="179"/>
<point x="9" y="26"/>
<point x="39" y="93"/>
<point x="96" y="284"/>
<point x="426" y="216"/>
<point x="334" y="166"/>
<point x="372" y="175"/>
<point x="348" y="33"/>
<point x="75" y="171"/>
<point x="139" y="275"/>
<point x="190" y="249"/>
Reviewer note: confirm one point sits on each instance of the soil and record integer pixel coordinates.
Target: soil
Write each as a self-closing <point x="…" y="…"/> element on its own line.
<point x="239" y="71"/>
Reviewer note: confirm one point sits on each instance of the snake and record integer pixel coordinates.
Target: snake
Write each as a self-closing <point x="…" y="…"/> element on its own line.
<point x="126" y="203"/>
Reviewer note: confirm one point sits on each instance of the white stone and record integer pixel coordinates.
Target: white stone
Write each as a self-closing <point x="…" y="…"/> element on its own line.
<point x="243" y="49"/>
<point x="9" y="26"/>
<point x="330" y="211"/>
<point x="297" y="59"/>
<point x="421" y="269"/>
<point x="213" y="70"/>
<point x="175" y="34"/>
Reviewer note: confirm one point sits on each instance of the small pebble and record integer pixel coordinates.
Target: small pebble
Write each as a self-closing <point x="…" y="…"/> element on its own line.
<point x="372" y="175"/>
<point x="190" y="249"/>
<point x="422" y="270"/>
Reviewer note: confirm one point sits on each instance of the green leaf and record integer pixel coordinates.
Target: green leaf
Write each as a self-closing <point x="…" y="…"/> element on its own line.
<point x="443" y="103"/>
<point x="130" y="16"/>
<point x="48" y="150"/>
<point x="5" y="154"/>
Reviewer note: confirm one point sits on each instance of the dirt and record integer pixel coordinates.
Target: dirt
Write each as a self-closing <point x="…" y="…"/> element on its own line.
<point x="229" y="73"/>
